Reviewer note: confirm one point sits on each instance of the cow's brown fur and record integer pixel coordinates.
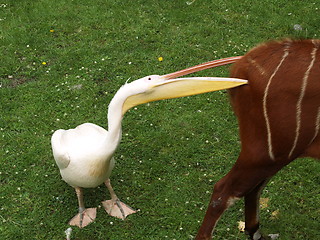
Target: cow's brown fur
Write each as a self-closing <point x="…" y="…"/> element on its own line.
<point x="279" y="116"/>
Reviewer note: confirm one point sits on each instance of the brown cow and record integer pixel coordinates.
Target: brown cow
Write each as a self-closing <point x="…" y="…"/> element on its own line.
<point x="279" y="120"/>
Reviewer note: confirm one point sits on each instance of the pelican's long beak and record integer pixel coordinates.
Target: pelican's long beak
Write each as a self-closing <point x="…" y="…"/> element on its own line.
<point x="170" y="86"/>
<point x="202" y="66"/>
<point x="181" y="87"/>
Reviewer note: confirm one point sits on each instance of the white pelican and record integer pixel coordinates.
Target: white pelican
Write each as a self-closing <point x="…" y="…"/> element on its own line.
<point x="84" y="154"/>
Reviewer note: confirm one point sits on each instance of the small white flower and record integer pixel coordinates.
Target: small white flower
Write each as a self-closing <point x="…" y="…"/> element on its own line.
<point x="297" y="27"/>
<point x="68" y="233"/>
<point x="190" y="2"/>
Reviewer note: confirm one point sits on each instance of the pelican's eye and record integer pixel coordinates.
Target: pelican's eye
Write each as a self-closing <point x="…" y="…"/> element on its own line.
<point x="149" y="78"/>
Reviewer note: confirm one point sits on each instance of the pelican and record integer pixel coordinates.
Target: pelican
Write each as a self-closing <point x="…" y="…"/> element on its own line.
<point x="84" y="154"/>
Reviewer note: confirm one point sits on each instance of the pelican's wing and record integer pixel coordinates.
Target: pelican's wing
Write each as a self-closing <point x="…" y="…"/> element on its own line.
<point x="62" y="160"/>
<point x="60" y="153"/>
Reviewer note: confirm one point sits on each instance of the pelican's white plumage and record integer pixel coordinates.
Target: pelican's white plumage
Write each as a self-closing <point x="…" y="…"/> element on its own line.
<point x="72" y="148"/>
<point x="84" y="154"/>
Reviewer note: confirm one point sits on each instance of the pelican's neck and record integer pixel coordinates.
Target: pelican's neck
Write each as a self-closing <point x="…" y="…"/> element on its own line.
<point x="115" y="114"/>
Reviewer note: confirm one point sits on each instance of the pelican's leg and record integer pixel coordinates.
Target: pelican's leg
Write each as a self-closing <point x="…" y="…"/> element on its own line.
<point x="85" y="215"/>
<point x="115" y="207"/>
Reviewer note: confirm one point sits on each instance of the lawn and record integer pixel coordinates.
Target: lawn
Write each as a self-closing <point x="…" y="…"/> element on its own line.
<point x="62" y="62"/>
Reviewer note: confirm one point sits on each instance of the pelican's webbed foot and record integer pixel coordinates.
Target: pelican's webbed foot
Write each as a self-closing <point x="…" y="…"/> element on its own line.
<point x="118" y="209"/>
<point x="84" y="218"/>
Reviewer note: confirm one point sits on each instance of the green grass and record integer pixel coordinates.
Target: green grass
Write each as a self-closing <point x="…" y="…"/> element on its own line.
<point x="172" y="152"/>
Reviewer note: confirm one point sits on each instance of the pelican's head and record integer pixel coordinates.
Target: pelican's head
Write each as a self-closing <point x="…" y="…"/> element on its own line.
<point x="155" y="87"/>
<point x="142" y="85"/>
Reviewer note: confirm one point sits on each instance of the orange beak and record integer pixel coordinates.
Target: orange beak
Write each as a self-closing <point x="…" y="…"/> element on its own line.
<point x="200" y="67"/>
